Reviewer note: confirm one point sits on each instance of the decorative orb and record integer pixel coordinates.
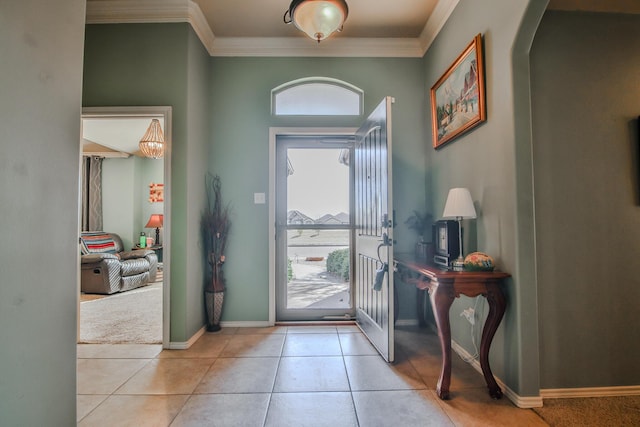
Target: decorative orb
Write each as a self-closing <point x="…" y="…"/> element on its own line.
<point x="479" y="261"/>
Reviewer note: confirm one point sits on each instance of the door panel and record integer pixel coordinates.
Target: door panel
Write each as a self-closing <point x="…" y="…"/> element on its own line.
<point x="374" y="231"/>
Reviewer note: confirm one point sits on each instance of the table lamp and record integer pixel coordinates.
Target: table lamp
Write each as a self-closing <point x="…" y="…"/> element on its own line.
<point x="155" y="221"/>
<point x="459" y="205"/>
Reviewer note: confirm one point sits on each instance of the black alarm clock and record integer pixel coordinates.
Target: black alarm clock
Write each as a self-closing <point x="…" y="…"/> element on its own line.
<point x="446" y="241"/>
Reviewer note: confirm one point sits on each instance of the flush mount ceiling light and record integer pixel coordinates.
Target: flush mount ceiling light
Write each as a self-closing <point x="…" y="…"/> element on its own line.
<point x="318" y="18"/>
<point x="152" y="143"/>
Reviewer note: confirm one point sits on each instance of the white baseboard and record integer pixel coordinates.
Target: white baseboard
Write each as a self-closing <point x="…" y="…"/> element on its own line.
<point x="561" y="393"/>
<point x="247" y="324"/>
<point x="186" y="344"/>
<point x="406" y="322"/>
<point x="519" y="401"/>
<point x="177" y="345"/>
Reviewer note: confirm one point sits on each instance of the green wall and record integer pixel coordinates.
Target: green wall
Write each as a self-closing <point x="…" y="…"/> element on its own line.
<point x="147" y="171"/>
<point x="158" y="65"/>
<point x="586" y="91"/>
<point x="118" y="198"/>
<point x="491" y="161"/>
<point x="240" y="122"/>
<point x="198" y="119"/>
<point x="40" y="87"/>
<point x="125" y="196"/>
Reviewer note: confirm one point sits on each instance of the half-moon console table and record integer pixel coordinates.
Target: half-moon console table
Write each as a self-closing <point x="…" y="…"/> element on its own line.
<point x="444" y="286"/>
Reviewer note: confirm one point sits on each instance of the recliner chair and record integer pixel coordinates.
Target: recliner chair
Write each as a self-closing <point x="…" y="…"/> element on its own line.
<point x="106" y="268"/>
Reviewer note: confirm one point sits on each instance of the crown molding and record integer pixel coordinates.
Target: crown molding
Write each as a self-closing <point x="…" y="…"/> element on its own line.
<point x="440" y="15"/>
<point x="137" y="11"/>
<point x="151" y="11"/>
<point x="170" y="11"/>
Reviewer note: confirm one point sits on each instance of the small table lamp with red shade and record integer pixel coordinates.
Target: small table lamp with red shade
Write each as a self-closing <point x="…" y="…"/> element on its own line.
<point x="155" y="221"/>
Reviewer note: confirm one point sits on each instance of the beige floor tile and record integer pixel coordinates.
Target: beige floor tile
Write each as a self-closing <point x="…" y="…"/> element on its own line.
<point x="312" y="345"/>
<point x="406" y="408"/>
<point x="306" y="374"/>
<point x="260" y="331"/>
<point x="254" y="346"/>
<point x="240" y="375"/>
<point x="85" y="403"/>
<point x="464" y="376"/>
<point x="348" y="329"/>
<point x="225" y="331"/>
<point x="417" y="340"/>
<point x="104" y="376"/>
<point x="428" y="367"/>
<point x="422" y="349"/>
<point x="356" y="345"/>
<point x="311" y="409"/>
<point x="373" y="373"/>
<point x="135" y="411"/>
<point x="475" y="408"/>
<point x="312" y="329"/>
<point x="118" y="351"/>
<point x="222" y="410"/>
<point x="167" y="376"/>
<point x="208" y="346"/>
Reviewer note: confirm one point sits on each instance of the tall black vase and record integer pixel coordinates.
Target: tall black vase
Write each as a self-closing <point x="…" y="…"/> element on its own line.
<point x="213" y="304"/>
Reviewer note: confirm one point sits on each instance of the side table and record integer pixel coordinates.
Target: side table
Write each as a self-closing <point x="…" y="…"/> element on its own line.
<point x="157" y="248"/>
<point x="443" y="287"/>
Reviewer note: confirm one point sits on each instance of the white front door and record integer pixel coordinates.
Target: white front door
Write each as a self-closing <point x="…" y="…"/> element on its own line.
<point x="374" y="294"/>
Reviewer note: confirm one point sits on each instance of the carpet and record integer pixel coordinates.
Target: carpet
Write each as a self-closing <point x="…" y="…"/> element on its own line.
<point x="590" y="411"/>
<point x="133" y="317"/>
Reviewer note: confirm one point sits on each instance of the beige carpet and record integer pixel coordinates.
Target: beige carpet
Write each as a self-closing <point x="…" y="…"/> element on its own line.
<point x="591" y="412"/>
<point x="129" y="317"/>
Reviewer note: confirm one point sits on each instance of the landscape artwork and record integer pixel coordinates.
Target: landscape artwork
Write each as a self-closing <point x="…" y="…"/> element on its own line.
<point x="457" y="98"/>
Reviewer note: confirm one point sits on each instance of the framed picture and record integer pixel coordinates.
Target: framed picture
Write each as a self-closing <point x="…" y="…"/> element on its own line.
<point x="457" y="98"/>
<point x="156" y="193"/>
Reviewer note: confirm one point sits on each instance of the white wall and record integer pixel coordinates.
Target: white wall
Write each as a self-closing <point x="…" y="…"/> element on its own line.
<point x="41" y="46"/>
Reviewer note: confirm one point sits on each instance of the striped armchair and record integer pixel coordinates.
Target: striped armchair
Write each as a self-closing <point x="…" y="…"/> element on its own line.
<point x="107" y="268"/>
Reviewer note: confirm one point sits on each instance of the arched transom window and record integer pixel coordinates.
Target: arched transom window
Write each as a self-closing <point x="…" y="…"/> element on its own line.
<point x="316" y="96"/>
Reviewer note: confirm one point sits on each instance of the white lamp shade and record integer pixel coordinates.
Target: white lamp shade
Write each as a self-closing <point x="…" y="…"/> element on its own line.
<point x="459" y="204"/>
<point x="320" y="18"/>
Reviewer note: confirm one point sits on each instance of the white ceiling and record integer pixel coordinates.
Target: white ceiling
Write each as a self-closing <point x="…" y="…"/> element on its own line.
<point x="367" y="18"/>
<point x="374" y="28"/>
<point x="110" y="136"/>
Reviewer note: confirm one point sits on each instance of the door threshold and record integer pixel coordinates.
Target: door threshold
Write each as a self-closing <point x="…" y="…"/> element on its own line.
<point x="315" y="322"/>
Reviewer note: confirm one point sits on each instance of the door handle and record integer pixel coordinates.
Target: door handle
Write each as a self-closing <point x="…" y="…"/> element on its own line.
<point x="385" y="240"/>
<point x="386" y="222"/>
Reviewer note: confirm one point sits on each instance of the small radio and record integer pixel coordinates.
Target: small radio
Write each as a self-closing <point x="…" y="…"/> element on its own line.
<point x="445" y="238"/>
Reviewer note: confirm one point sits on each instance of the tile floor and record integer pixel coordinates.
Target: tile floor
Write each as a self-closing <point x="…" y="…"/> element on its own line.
<point x="284" y="376"/>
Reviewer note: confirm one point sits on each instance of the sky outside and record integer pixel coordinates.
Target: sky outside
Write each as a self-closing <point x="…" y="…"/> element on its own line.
<point x="319" y="184"/>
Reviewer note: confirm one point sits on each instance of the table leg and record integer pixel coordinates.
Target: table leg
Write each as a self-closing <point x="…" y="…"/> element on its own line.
<point x="422" y="322"/>
<point x="441" y="299"/>
<point x="497" y="306"/>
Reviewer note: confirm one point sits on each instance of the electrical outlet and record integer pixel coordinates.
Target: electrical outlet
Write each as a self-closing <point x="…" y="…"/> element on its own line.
<point x="469" y="314"/>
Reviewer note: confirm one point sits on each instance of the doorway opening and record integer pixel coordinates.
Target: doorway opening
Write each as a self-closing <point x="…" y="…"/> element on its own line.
<point x="135" y="199"/>
<point x="314" y="231"/>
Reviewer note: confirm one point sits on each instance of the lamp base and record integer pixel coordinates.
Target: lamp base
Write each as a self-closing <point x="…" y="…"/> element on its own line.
<point x="458" y="264"/>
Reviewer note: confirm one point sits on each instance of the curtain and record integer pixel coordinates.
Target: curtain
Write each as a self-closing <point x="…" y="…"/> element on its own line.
<point x="92" y="193"/>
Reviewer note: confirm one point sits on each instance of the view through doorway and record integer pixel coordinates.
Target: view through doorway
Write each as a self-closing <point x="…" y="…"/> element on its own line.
<point x="133" y="193"/>
<point x="314" y="227"/>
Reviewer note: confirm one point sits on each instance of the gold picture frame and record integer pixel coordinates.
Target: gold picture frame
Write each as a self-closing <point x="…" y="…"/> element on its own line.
<point x="458" y="97"/>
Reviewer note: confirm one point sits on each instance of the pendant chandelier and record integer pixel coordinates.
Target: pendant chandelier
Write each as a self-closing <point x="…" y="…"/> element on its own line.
<point x="152" y="143"/>
<point x="317" y="18"/>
